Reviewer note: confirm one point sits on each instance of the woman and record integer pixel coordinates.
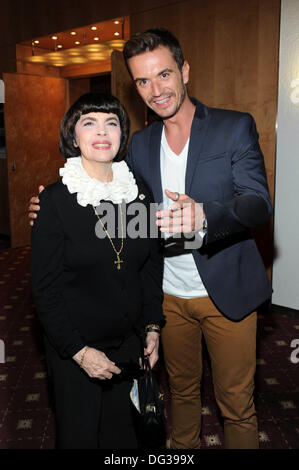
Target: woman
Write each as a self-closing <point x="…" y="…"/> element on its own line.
<point x="95" y="291"/>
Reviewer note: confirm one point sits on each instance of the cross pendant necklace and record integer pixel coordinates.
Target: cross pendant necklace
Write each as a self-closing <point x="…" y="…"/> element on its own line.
<point x="117" y="252"/>
<point x="118" y="261"/>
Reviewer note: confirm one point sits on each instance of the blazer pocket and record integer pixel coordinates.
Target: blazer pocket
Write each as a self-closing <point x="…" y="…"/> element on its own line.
<point x="210" y="158"/>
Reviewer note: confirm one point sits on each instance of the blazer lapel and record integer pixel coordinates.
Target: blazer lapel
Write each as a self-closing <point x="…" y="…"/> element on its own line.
<point x="197" y="135"/>
<point x="155" y="167"/>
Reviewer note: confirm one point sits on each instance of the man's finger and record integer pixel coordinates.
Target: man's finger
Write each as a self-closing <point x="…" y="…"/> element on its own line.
<point x="177" y="229"/>
<point x="34" y="200"/>
<point x="40" y="189"/>
<point x="175" y="212"/>
<point x="168" y="212"/>
<point x="164" y="213"/>
<point x="176" y="225"/>
<point x="177" y="206"/>
<point x="177" y="218"/>
<point x="173" y="195"/>
<point x="33" y="208"/>
<point x="164" y="223"/>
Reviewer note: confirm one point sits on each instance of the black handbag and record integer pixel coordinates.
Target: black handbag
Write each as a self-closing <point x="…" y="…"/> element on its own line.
<point x="151" y="419"/>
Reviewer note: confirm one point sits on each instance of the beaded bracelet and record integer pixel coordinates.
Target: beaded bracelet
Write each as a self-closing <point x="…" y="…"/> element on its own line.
<point x="82" y="357"/>
<point x="152" y="328"/>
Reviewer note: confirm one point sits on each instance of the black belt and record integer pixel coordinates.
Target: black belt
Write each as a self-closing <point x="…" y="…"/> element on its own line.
<point x="176" y="246"/>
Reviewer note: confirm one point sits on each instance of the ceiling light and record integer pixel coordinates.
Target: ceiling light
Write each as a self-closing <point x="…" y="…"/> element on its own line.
<point x="78" y="60"/>
<point x="54" y="37"/>
<point x="36" y="58"/>
<point x="73" y="33"/>
<point x="77" y="42"/>
<point x="78" y="55"/>
<point x="116" y="34"/>
<point x="36" y="42"/>
<point x="116" y="22"/>
<point x="59" y="46"/>
<point x="94" y="28"/>
<point x="96" y="39"/>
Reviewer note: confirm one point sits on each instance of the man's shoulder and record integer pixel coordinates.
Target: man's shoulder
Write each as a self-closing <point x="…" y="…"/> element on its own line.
<point x="146" y="132"/>
<point x="233" y="114"/>
<point x="223" y="114"/>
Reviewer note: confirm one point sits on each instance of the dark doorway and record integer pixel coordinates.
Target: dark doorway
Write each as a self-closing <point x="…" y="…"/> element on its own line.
<point x="96" y="84"/>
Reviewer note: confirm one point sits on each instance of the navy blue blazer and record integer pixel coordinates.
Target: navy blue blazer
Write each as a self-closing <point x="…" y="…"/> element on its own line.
<point x="226" y="172"/>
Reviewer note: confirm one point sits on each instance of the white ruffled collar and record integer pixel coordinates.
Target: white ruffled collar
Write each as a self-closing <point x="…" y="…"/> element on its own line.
<point x="91" y="190"/>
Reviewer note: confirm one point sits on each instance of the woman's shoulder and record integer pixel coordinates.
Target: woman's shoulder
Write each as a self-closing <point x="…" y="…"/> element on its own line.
<point x="143" y="189"/>
<point x="55" y="189"/>
<point x="53" y="194"/>
<point x="56" y="186"/>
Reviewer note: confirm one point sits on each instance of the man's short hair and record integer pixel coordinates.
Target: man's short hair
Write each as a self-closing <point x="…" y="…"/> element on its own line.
<point x="92" y="103"/>
<point x="149" y="40"/>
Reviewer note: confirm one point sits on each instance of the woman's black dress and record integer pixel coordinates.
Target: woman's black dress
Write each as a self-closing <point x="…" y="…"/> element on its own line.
<point x="83" y="299"/>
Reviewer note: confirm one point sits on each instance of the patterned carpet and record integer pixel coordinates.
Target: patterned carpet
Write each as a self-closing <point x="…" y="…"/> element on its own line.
<point x="26" y="417"/>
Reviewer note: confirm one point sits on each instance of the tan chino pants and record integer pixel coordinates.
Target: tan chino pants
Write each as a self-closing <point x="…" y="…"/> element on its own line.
<point x="232" y="350"/>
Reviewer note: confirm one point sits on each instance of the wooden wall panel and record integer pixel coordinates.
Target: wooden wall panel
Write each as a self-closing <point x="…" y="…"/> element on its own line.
<point x="34" y="107"/>
<point x="4" y="212"/>
<point x="76" y="88"/>
<point x="122" y="86"/>
<point x="86" y="70"/>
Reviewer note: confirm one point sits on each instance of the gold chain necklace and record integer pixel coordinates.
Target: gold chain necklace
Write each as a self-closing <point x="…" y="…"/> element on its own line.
<point x="118" y="261"/>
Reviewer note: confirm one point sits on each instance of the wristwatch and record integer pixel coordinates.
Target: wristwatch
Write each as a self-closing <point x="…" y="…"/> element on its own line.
<point x="204" y="225"/>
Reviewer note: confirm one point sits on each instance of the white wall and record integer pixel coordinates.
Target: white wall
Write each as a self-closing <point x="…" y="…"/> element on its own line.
<point x="286" y="215"/>
<point x="1" y="91"/>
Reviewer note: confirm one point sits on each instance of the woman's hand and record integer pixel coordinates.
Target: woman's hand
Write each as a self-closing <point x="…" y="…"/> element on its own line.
<point x="96" y="364"/>
<point x="152" y="347"/>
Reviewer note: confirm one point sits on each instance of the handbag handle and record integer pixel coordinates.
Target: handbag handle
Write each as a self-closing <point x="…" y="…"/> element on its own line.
<point x="146" y="366"/>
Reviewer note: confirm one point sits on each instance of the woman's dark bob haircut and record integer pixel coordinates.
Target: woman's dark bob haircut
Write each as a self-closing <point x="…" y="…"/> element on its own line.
<point x="92" y="103"/>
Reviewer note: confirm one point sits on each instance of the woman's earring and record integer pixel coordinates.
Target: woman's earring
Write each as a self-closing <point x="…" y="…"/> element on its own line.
<point x="75" y="143"/>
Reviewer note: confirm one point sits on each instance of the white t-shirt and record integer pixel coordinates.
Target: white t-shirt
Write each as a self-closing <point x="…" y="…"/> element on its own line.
<point x="181" y="276"/>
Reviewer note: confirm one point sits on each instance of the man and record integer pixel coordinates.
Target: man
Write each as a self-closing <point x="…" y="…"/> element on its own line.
<point x="206" y="167"/>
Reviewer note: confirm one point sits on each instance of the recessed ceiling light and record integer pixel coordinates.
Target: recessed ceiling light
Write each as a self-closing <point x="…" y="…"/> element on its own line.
<point x="36" y="42"/>
<point x="96" y="39"/>
<point x="116" y="34"/>
<point x="73" y="33"/>
<point x="60" y="46"/>
<point x="116" y="22"/>
<point x="77" y="42"/>
<point x="54" y="37"/>
<point x="94" y="28"/>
